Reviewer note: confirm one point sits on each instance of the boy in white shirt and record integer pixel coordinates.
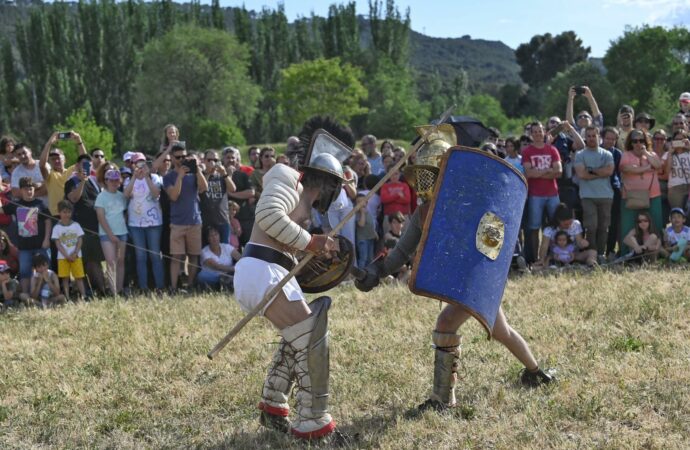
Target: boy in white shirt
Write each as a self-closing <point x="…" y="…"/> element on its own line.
<point x="67" y="235"/>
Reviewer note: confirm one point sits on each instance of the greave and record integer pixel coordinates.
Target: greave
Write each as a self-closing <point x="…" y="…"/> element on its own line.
<point x="309" y="343"/>
<point x="279" y="382"/>
<point x="446" y="357"/>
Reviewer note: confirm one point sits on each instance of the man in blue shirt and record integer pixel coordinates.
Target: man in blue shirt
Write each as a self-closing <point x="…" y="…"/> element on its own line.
<point x="183" y="186"/>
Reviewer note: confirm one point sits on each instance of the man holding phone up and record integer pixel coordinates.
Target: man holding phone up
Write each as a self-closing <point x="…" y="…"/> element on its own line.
<point x="183" y="185"/>
<point x="214" y="202"/>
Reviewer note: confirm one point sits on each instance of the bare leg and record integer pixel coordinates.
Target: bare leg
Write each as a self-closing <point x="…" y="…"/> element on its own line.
<point x="512" y="340"/>
<point x="283" y="313"/>
<point x="95" y="273"/>
<point x="175" y="262"/>
<point x="192" y="268"/>
<point x="451" y="318"/>
<point x="80" y="287"/>
<point x="120" y="269"/>
<point x="110" y="253"/>
<point x="65" y="286"/>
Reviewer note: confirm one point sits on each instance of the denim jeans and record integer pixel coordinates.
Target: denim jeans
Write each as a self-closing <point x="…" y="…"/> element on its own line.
<point x="535" y="209"/>
<point x="26" y="268"/>
<point x="148" y="238"/>
<point x="208" y="278"/>
<point x="365" y="252"/>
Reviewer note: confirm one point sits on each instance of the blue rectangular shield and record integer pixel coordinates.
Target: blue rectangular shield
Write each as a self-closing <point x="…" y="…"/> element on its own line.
<point x="470" y="232"/>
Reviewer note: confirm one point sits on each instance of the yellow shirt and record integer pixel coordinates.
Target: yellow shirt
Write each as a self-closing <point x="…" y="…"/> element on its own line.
<point x="56" y="188"/>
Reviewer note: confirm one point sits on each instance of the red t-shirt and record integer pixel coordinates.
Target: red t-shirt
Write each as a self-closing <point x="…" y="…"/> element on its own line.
<point x="246" y="169"/>
<point x="392" y="199"/>
<point x="541" y="158"/>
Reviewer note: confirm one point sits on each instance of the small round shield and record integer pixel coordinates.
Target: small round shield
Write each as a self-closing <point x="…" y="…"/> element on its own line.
<point x="325" y="272"/>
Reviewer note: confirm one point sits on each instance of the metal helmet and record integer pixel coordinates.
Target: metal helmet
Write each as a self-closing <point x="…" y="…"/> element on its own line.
<point x="325" y="157"/>
<point x="422" y="175"/>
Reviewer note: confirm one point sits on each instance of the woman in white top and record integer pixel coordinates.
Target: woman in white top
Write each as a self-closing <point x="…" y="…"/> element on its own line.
<point x="145" y="220"/>
<point x="677" y="160"/>
<point x="217" y="265"/>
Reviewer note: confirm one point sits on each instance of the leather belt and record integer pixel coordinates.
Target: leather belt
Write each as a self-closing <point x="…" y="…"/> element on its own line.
<point x="269" y="254"/>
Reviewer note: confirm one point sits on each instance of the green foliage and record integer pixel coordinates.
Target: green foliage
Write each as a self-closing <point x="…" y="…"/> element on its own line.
<point x="92" y="134"/>
<point x="390" y="32"/>
<point x="545" y="55"/>
<point x="581" y="74"/>
<point x="662" y="105"/>
<point x="394" y="107"/>
<point x="322" y="86"/>
<point x="649" y="56"/>
<point x="207" y="134"/>
<point x="488" y="109"/>
<point x="192" y="73"/>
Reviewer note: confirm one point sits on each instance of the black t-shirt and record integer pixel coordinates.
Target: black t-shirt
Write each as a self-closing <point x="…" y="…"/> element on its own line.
<point x="214" y="202"/>
<point x="85" y="208"/>
<point x="241" y="181"/>
<point x="31" y="222"/>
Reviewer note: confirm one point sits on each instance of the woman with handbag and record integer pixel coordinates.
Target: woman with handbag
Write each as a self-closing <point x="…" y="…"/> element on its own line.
<point x="677" y="161"/>
<point x="640" y="190"/>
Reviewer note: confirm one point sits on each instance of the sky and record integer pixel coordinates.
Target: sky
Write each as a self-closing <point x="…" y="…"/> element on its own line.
<point x="597" y="23"/>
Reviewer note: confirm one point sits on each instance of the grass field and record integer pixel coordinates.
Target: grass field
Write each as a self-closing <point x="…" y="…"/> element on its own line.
<point x="133" y="374"/>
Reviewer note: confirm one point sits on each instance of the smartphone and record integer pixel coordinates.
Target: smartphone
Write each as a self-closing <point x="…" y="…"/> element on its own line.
<point x="579" y="90"/>
<point x="555" y="131"/>
<point x="86" y="167"/>
<point x="676" y="144"/>
<point x="64" y="135"/>
<point x="191" y="164"/>
<point x="140" y="164"/>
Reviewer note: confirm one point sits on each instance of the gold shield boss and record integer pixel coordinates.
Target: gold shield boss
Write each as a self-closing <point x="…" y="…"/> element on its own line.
<point x="422" y="175"/>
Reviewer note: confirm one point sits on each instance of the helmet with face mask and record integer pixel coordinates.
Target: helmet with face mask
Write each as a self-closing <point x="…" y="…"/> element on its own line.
<point x="422" y="175"/>
<point x="324" y="167"/>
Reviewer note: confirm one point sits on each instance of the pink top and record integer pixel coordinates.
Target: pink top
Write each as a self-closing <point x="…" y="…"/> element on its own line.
<point x="638" y="181"/>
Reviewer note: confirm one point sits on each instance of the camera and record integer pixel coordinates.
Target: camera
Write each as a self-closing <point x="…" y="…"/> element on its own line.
<point x="64" y="135"/>
<point x="140" y="164"/>
<point x="677" y="144"/>
<point x="191" y="164"/>
<point x="579" y="90"/>
<point x="179" y="144"/>
<point x="86" y="167"/>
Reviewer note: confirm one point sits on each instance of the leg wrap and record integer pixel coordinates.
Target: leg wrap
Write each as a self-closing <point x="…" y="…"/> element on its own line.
<point x="446" y="357"/>
<point x="309" y="343"/>
<point x="279" y="382"/>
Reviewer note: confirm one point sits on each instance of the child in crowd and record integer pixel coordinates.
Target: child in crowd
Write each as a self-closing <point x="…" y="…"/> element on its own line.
<point x="396" y="221"/>
<point x="11" y="295"/>
<point x="365" y="234"/>
<point x="562" y="249"/>
<point x="111" y="205"/>
<point x="45" y="285"/>
<point x="235" y="227"/>
<point x="67" y="236"/>
<point x="676" y="238"/>
<point x="33" y="228"/>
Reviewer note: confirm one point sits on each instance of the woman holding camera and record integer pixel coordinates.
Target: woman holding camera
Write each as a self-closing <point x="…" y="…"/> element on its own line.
<point x="640" y="191"/>
<point x="145" y="220"/>
<point x="677" y="162"/>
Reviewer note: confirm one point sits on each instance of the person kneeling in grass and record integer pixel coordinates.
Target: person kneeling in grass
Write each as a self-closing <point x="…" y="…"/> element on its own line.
<point x="676" y="238"/>
<point x="11" y="294"/>
<point x="45" y="286"/>
<point x="67" y="235"/>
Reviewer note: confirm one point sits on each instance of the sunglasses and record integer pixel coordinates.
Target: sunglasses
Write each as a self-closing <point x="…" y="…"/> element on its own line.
<point x="179" y="157"/>
<point x="268" y="156"/>
<point x="98" y="156"/>
<point x="54" y="155"/>
<point x="638" y="141"/>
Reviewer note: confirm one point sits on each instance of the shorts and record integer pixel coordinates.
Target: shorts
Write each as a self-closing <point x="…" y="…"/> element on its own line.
<point x="91" y="250"/>
<point x="75" y="268"/>
<point x="106" y="238"/>
<point x="535" y="210"/>
<point x="185" y="240"/>
<point x="255" y="277"/>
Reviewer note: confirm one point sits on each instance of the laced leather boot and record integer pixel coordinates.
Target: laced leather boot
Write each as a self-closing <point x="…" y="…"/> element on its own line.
<point x="277" y="386"/>
<point x="447" y="353"/>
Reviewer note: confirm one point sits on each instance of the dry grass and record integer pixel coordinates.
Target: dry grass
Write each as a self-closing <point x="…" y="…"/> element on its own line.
<point x="133" y="374"/>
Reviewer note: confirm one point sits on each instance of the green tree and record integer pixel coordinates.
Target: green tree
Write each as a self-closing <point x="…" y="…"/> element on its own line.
<point x="390" y="32"/>
<point x="321" y="86"/>
<point x="92" y="134"/>
<point x="191" y="74"/>
<point x="648" y="56"/>
<point x="545" y="55"/>
<point x="394" y="106"/>
<point x="488" y="109"/>
<point x="662" y="105"/>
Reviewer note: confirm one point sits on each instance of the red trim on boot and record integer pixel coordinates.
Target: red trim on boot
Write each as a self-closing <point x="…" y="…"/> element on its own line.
<point x="321" y="432"/>
<point x="274" y="410"/>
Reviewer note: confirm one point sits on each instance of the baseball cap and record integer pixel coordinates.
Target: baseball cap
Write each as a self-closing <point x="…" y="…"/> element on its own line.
<point x="684" y="97"/>
<point x="112" y="174"/>
<point x="679" y="211"/>
<point x="138" y="156"/>
<point x="625" y="109"/>
<point x="128" y="156"/>
<point x="125" y="171"/>
<point x="4" y="267"/>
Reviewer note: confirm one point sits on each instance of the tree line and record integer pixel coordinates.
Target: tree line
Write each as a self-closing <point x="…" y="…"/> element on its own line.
<point x="229" y="75"/>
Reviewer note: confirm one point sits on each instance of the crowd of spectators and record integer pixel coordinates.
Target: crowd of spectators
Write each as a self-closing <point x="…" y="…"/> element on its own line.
<point x="178" y="220"/>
